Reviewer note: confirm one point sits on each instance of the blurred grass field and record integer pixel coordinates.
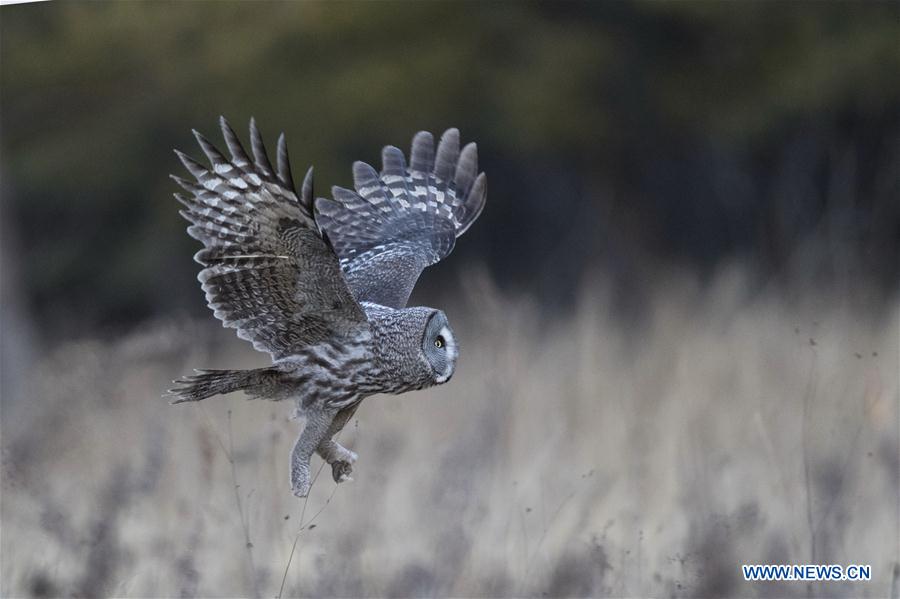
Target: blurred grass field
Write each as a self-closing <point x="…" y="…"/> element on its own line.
<point x="586" y="456"/>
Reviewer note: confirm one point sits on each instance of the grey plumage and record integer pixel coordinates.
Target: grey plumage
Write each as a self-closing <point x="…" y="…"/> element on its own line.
<point x="322" y="286"/>
<point x="405" y="219"/>
<point x="259" y="382"/>
<point x="268" y="273"/>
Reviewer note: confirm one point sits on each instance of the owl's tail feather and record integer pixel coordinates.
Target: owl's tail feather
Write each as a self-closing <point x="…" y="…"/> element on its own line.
<point x="207" y="383"/>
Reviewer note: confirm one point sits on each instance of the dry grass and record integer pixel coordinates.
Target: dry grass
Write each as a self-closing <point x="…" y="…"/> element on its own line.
<point x="580" y="456"/>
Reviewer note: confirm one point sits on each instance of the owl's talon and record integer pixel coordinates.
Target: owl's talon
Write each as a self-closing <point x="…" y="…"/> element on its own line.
<point x="342" y="454"/>
<point x="301" y="490"/>
<point x="340" y="471"/>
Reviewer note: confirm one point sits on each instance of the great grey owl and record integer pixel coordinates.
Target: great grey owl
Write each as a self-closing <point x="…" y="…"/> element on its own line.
<point x="322" y="285"/>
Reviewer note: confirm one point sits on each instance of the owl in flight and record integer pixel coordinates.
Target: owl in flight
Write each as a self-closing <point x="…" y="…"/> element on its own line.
<point x="321" y="285"/>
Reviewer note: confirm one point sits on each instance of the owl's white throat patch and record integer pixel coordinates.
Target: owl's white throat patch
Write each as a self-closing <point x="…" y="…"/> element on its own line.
<point x="452" y="352"/>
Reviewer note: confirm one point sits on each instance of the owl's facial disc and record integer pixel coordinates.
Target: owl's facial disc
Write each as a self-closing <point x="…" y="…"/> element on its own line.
<point x="439" y="346"/>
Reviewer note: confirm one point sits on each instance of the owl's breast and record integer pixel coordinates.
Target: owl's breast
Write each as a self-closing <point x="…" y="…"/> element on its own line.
<point x="332" y="374"/>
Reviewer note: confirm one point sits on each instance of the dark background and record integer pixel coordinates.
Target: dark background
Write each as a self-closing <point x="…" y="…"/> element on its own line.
<point x="621" y="140"/>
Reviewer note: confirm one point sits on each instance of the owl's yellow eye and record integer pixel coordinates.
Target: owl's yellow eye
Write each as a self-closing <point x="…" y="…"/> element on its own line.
<point x="439" y="342"/>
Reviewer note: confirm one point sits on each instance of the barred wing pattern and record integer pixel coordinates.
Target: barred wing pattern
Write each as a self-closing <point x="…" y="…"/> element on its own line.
<point x="404" y="219"/>
<point x="268" y="271"/>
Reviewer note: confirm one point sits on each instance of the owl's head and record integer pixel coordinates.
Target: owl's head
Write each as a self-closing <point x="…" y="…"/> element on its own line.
<point x="439" y="347"/>
<point x="414" y="347"/>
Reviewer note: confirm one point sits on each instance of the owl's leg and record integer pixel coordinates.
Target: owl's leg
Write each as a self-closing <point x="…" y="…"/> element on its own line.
<point x="317" y="425"/>
<point x="340" y="458"/>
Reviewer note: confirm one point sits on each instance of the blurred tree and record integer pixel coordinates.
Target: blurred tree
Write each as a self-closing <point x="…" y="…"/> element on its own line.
<point x="617" y="137"/>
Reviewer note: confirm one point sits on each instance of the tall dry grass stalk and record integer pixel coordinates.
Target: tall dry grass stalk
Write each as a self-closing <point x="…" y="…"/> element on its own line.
<point x="572" y="456"/>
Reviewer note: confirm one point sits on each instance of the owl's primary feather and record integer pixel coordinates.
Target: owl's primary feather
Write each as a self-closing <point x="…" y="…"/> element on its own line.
<point x="329" y="309"/>
<point x="269" y="274"/>
<point x="404" y="219"/>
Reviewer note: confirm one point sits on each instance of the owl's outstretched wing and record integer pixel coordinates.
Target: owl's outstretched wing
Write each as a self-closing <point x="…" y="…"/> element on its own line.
<point x="268" y="271"/>
<point x="404" y="219"/>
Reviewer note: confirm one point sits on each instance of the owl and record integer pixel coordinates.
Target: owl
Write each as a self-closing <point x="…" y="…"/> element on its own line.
<point x="322" y="285"/>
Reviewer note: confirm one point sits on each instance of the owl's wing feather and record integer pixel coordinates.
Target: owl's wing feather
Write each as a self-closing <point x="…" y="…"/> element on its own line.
<point x="268" y="271"/>
<point x="404" y="219"/>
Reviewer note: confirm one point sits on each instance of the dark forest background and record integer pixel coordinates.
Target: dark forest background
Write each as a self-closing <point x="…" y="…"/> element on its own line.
<point x="623" y="140"/>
